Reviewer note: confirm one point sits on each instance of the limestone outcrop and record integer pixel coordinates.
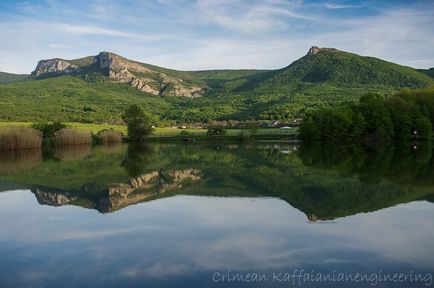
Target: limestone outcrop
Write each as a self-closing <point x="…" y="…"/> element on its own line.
<point x="315" y="50"/>
<point x="144" y="78"/>
<point x="55" y="66"/>
<point x="118" y="69"/>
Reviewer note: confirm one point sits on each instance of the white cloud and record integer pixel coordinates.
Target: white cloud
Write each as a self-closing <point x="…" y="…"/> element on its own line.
<point x="93" y="30"/>
<point x="340" y="6"/>
<point x="218" y="34"/>
<point x="250" y="17"/>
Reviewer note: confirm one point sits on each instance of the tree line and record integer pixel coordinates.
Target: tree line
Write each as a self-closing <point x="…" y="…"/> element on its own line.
<point x="407" y="115"/>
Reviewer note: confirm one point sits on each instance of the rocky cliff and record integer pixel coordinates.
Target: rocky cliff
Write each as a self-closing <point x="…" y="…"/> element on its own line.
<point x="122" y="70"/>
<point x="55" y="66"/>
<point x="315" y="50"/>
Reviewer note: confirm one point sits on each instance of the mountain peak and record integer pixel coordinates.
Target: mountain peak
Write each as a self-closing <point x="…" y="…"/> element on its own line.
<point x="103" y="59"/>
<point x="315" y="50"/>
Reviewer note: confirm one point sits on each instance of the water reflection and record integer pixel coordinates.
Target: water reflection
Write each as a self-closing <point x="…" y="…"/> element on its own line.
<point x="324" y="182"/>
<point x="19" y="160"/>
<point x="205" y="208"/>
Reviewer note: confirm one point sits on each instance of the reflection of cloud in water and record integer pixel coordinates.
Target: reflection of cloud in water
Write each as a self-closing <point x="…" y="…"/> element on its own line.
<point x="182" y="235"/>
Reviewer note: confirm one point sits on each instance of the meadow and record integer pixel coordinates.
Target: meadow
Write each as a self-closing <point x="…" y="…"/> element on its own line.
<point x="159" y="131"/>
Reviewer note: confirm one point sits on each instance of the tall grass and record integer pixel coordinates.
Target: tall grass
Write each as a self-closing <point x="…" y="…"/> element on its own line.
<point x="69" y="136"/>
<point x="15" y="138"/>
<point x="109" y="136"/>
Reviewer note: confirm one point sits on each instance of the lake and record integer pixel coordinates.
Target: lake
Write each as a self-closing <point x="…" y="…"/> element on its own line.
<point x="217" y="215"/>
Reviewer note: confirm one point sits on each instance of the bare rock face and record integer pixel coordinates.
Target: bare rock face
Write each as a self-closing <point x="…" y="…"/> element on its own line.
<point x="55" y="66"/>
<point x="121" y="70"/>
<point x="143" y="78"/>
<point x="103" y="60"/>
<point x="315" y="50"/>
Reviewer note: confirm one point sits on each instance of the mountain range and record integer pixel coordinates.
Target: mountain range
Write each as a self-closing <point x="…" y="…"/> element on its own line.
<point x="98" y="88"/>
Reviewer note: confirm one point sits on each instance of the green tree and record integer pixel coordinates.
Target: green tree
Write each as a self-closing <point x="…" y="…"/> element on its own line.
<point x="48" y="129"/>
<point x="138" y="123"/>
<point x="379" y="124"/>
<point x="423" y="128"/>
<point x="309" y="130"/>
<point x="401" y="115"/>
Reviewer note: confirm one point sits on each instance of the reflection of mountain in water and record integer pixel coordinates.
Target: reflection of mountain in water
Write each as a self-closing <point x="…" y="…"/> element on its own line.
<point x="53" y="198"/>
<point x="121" y="195"/>
<point x="322" y="181"/>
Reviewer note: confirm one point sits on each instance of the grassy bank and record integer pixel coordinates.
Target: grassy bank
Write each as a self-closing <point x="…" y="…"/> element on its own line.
<point x="167" y="132"/>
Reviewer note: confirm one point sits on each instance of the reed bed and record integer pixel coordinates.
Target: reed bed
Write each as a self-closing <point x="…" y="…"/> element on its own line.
<point x="109" y="136"/>
<point x="69" y="136"/>
<point x="17" y="138"/>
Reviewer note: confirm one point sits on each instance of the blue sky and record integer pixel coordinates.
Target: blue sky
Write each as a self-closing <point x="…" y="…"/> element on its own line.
<point x="212" y="34"/>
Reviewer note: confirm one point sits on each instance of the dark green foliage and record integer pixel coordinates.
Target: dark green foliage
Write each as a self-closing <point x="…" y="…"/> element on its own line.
<point x="333" y="124"/>
<point x="404" y="116"/>
<point x="377" y="116"/>
<point x="429" y="72"/>
<point x="216" y="130"/>
<point x="423" y="128"/>
<point x="49" y="129"/>
<point x="138" y="123"/>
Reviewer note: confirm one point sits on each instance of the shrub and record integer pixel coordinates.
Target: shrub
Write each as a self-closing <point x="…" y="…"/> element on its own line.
<point x="109" y="136"/>
<point x="49" y="129"/>
<point x="217" y="130"/>
<point x="15" y="138"/>
<point x="69" y="136"/>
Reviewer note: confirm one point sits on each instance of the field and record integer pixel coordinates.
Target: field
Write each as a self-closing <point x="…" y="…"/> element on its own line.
<point x="159" y="132"/>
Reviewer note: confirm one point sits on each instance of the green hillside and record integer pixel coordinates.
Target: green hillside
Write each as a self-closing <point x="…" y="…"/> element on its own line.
<point x="324" y="78"/>
<point x="342" y="69"/>
<point x="9" y="77"/>
<point x="224" y="79"/>
<point x="429" y="72"/>
<point x="70" y="98"/>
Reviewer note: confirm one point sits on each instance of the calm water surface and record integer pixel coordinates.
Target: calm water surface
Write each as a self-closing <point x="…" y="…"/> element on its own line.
<point x="207" y="215"/>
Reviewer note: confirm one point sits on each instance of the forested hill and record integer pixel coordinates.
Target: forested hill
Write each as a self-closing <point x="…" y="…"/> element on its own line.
<point x="9" y="77"/>
<point x="342" y="69"/>
<point x="98" y="88"/>
<point x="429" y="72"/>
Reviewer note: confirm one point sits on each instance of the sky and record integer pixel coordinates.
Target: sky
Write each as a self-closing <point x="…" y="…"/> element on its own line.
<point x="214" y="34"/>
